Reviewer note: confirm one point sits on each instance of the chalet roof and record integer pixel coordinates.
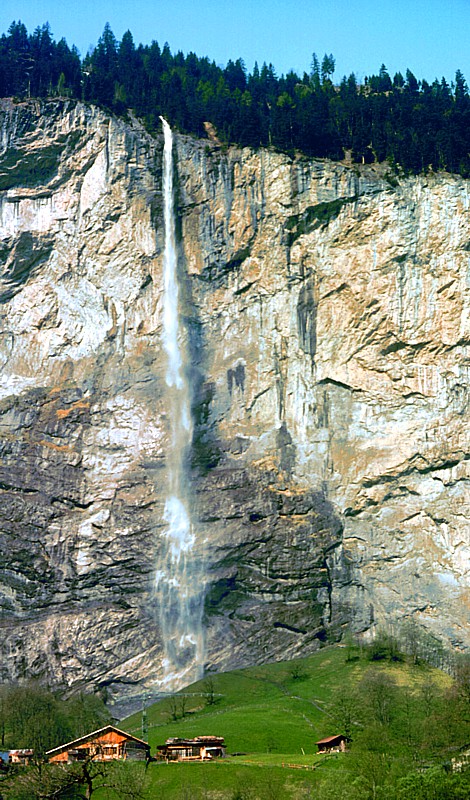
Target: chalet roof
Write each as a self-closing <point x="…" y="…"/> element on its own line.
<point x="196" y="740"/>
<point x="94" y="735"/>
<point x="329" y="739"/>
<point x="175" y="742"/>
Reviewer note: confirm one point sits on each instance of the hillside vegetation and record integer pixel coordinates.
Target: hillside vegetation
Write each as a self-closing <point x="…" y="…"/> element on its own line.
<point x="407" y="722"/>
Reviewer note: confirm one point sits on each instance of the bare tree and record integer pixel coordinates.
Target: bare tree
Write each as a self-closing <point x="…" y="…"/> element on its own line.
<point x="379" y="689"/>
<point x="173" y="708"/>
<point x="128" y="781"/>
<point x="346" y="711"/>
<point x="209" y="690"/>
<point x="183" y="701"/>
<point x="462" y="678"/>
<point x="428" y="693"/>
<point x="54" y="782"/>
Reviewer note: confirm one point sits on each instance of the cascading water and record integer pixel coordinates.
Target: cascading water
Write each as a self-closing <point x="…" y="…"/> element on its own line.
<point x="179" y="582"/>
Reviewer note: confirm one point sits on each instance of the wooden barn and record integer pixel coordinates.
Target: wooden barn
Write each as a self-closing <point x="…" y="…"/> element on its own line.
<point x="202" y="748"/>
<point x="333" y="744"/>
<point x="23" y="757"/>
<point x="106" y="744"/>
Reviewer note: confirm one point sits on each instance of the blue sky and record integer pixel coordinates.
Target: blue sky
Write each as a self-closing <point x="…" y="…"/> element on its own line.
<point x="431" y="37"/>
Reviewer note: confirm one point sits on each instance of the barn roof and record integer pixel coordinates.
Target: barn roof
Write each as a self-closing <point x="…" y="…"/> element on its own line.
<point x="329" y="739"/>
<point x="201" y="740"/>
<point x="94" y="735"/>
<point x="177" y="739"/>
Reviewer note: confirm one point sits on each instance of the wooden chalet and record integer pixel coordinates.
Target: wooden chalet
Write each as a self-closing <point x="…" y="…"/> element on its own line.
<point x="333" y="744"/>
<point x="23" y="757"/>
<point x="202" y="748"/>
<point x="106" y="744"/>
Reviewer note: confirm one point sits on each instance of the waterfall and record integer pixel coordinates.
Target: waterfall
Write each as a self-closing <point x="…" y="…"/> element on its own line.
<point x="179" y="581"/>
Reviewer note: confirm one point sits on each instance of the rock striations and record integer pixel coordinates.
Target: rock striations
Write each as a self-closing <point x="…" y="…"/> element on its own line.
<point x="327" y="311"/>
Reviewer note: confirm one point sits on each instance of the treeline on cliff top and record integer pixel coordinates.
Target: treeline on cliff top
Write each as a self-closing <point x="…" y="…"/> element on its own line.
<point x="414" y="125"/>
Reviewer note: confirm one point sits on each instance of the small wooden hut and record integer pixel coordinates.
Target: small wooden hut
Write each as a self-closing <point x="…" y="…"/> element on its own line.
<point x="333" y="744"/>
<point x="202" y="748"/>
<point x="23" y="757"/>
<point x="106" y="744"/>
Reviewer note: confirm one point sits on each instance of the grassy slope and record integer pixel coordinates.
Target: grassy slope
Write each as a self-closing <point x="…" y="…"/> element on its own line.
<point x="268" y="709"/>
<point x="273" y="715"/>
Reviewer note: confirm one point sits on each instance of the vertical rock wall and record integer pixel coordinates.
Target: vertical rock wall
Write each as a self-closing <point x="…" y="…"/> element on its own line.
<point x="327" y="313"/>
<point x="335" y="306"/>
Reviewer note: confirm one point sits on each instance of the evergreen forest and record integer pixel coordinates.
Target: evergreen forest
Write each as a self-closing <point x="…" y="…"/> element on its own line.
<point x="414" y="125"/>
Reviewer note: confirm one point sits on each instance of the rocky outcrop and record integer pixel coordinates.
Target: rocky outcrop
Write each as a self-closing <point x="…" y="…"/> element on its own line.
<point x="327" y="317"/>
<point x="341" y="297"/>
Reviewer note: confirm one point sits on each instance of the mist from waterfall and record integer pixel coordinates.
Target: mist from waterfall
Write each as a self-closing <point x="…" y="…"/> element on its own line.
<point x="179" y="580"/>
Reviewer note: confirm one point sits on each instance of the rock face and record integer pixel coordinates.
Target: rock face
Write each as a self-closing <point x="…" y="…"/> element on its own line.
<point x="327" y="312"/>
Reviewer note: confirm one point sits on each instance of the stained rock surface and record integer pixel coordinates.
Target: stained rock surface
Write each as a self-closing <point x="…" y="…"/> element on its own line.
<point x="327" y="319"/>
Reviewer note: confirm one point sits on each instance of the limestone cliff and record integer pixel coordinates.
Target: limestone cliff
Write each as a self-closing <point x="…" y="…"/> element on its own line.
<point x="327" y="312"/>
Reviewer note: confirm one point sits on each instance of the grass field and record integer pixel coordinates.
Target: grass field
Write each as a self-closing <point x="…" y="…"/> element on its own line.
<point x="272" y="715"/>
<point x="281" y="708"/>
<point x="408" y="725"/>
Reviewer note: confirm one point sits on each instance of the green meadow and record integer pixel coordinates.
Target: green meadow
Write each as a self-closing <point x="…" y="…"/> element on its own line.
<point x="280" y="708"/>
<point x="406" y="722"/>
